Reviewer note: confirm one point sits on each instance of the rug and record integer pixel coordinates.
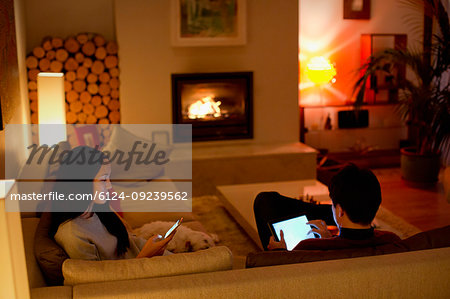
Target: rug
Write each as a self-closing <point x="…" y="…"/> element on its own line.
<point x="210" y="211"/>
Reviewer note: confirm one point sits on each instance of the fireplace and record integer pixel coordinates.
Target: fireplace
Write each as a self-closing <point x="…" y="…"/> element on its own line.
<point x="218" y="105"/>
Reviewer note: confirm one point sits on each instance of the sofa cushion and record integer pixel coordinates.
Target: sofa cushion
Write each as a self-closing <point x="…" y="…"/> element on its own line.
<point x="49" y="255"/>
<point x="212" y="259"/>
<point x="123" y="140"/>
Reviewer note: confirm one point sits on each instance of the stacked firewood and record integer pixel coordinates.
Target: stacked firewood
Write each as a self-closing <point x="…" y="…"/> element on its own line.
<point x="91" y="77"/>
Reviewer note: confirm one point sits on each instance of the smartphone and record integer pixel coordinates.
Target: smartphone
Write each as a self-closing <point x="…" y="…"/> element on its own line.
<point x="173" y="228"/>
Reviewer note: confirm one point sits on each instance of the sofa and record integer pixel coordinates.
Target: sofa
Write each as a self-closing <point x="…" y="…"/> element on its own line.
<point x="209" y="273"/>
<point x="420" y="273"/>
<point x="407" y="275"/>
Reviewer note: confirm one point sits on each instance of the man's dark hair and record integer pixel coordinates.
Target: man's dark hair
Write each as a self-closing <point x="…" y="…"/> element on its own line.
<point x="358" y="192"/>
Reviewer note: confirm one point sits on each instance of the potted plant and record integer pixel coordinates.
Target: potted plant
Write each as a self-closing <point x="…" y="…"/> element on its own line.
<point x="424" y="99"/>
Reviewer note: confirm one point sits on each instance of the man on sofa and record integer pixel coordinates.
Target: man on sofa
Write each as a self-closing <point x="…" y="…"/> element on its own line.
<point x="356" y="197"/>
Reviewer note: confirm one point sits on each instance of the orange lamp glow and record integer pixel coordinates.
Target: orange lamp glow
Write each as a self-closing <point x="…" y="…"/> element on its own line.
<point x="51" y="107"/>
<point x="320" y="70"/>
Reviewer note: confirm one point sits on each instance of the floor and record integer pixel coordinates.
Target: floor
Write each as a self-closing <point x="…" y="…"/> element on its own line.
<point x="424" y="208"/>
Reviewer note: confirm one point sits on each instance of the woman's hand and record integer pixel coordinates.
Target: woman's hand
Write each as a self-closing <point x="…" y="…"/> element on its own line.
<point x="155" y="247"/>
<point x="277" y="245"/>
<point x="320" y="228"/>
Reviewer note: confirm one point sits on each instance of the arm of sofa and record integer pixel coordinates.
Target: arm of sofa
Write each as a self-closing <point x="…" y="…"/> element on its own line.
<point x="213" y="259"/>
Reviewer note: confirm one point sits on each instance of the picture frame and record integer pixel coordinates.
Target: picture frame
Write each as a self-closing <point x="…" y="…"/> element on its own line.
<point x="383" y="85"/>
<point x="88" y="135"/>
<point x="208" y="23"/>
<point x="357" y="9"/>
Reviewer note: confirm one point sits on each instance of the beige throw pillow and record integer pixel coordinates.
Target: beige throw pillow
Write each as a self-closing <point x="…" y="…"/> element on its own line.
<point x="123" y="140"/>
<point x="213" y="259"/>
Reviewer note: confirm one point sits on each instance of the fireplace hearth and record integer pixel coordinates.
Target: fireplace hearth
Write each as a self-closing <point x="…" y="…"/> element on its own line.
<point x="218" y="105"/>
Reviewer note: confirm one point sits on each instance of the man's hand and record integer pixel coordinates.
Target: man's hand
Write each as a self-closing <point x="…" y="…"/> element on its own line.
<point x="320" y="228"/>
<point x="153" y="247"/>
<point x="277" y="245"/>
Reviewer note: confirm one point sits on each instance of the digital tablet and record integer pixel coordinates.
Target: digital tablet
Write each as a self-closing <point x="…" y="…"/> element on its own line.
<point x="294" y="228"/>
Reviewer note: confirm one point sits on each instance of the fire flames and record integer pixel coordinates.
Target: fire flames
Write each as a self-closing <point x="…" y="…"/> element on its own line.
<point x="204" y="107"/>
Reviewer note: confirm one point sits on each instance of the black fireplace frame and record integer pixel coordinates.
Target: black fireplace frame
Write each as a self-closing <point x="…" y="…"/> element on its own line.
<point x="216" y="130"/>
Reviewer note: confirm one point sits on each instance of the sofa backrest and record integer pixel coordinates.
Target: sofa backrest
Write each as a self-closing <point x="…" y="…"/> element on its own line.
<point x="271" y="258"/>
<point x="435" y="238"/>
<point x="418" y="274"/>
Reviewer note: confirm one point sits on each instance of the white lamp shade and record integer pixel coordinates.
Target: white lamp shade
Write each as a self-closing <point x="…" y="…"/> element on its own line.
<point x="51" y="108"/>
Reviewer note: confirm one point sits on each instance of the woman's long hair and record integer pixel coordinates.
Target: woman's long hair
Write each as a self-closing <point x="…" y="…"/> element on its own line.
<point x="76" y="173"/>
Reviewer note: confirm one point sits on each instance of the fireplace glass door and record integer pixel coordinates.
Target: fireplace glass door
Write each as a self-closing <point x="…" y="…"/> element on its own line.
<point x="218" y="105"/>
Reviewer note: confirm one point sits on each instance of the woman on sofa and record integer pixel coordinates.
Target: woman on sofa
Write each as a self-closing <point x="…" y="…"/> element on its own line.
<point x="90" y="229"/>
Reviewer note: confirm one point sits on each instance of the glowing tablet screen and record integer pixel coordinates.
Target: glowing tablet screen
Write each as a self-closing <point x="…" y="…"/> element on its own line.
<point x="294" y="229"/>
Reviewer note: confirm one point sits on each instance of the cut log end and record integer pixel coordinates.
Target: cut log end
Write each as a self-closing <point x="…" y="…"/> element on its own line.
<point x="99" y="40"/>
<point x="101" y="111"/>
<point x="111" y="48"/>
<point x="88" y="48"/>
<point x="111" y="61"/>
<point x="57" y="42"/>
<point x="62" y="55"/>
<point x="82" y="38"/>
<point x="31" y="62"/>
<point x="71" y="45"/>
<point x="39" y="52"/>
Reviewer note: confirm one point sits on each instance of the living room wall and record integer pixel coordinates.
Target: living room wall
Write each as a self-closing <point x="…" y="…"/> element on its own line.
<point x="64" y="17"/>
<point x="18" y="105"/>
<point x="147" y="59"/>
<point x="338" y="39"/>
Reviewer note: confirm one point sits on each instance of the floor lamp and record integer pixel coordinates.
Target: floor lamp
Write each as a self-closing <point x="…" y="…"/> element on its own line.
<point x="51" y="108"/>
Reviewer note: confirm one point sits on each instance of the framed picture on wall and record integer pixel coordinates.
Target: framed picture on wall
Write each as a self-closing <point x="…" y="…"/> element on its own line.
<point x="208" y="23"/>
<point x="385" y="82"/>
<point x="87" y="135"/>
<point x="357" y="9"/>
